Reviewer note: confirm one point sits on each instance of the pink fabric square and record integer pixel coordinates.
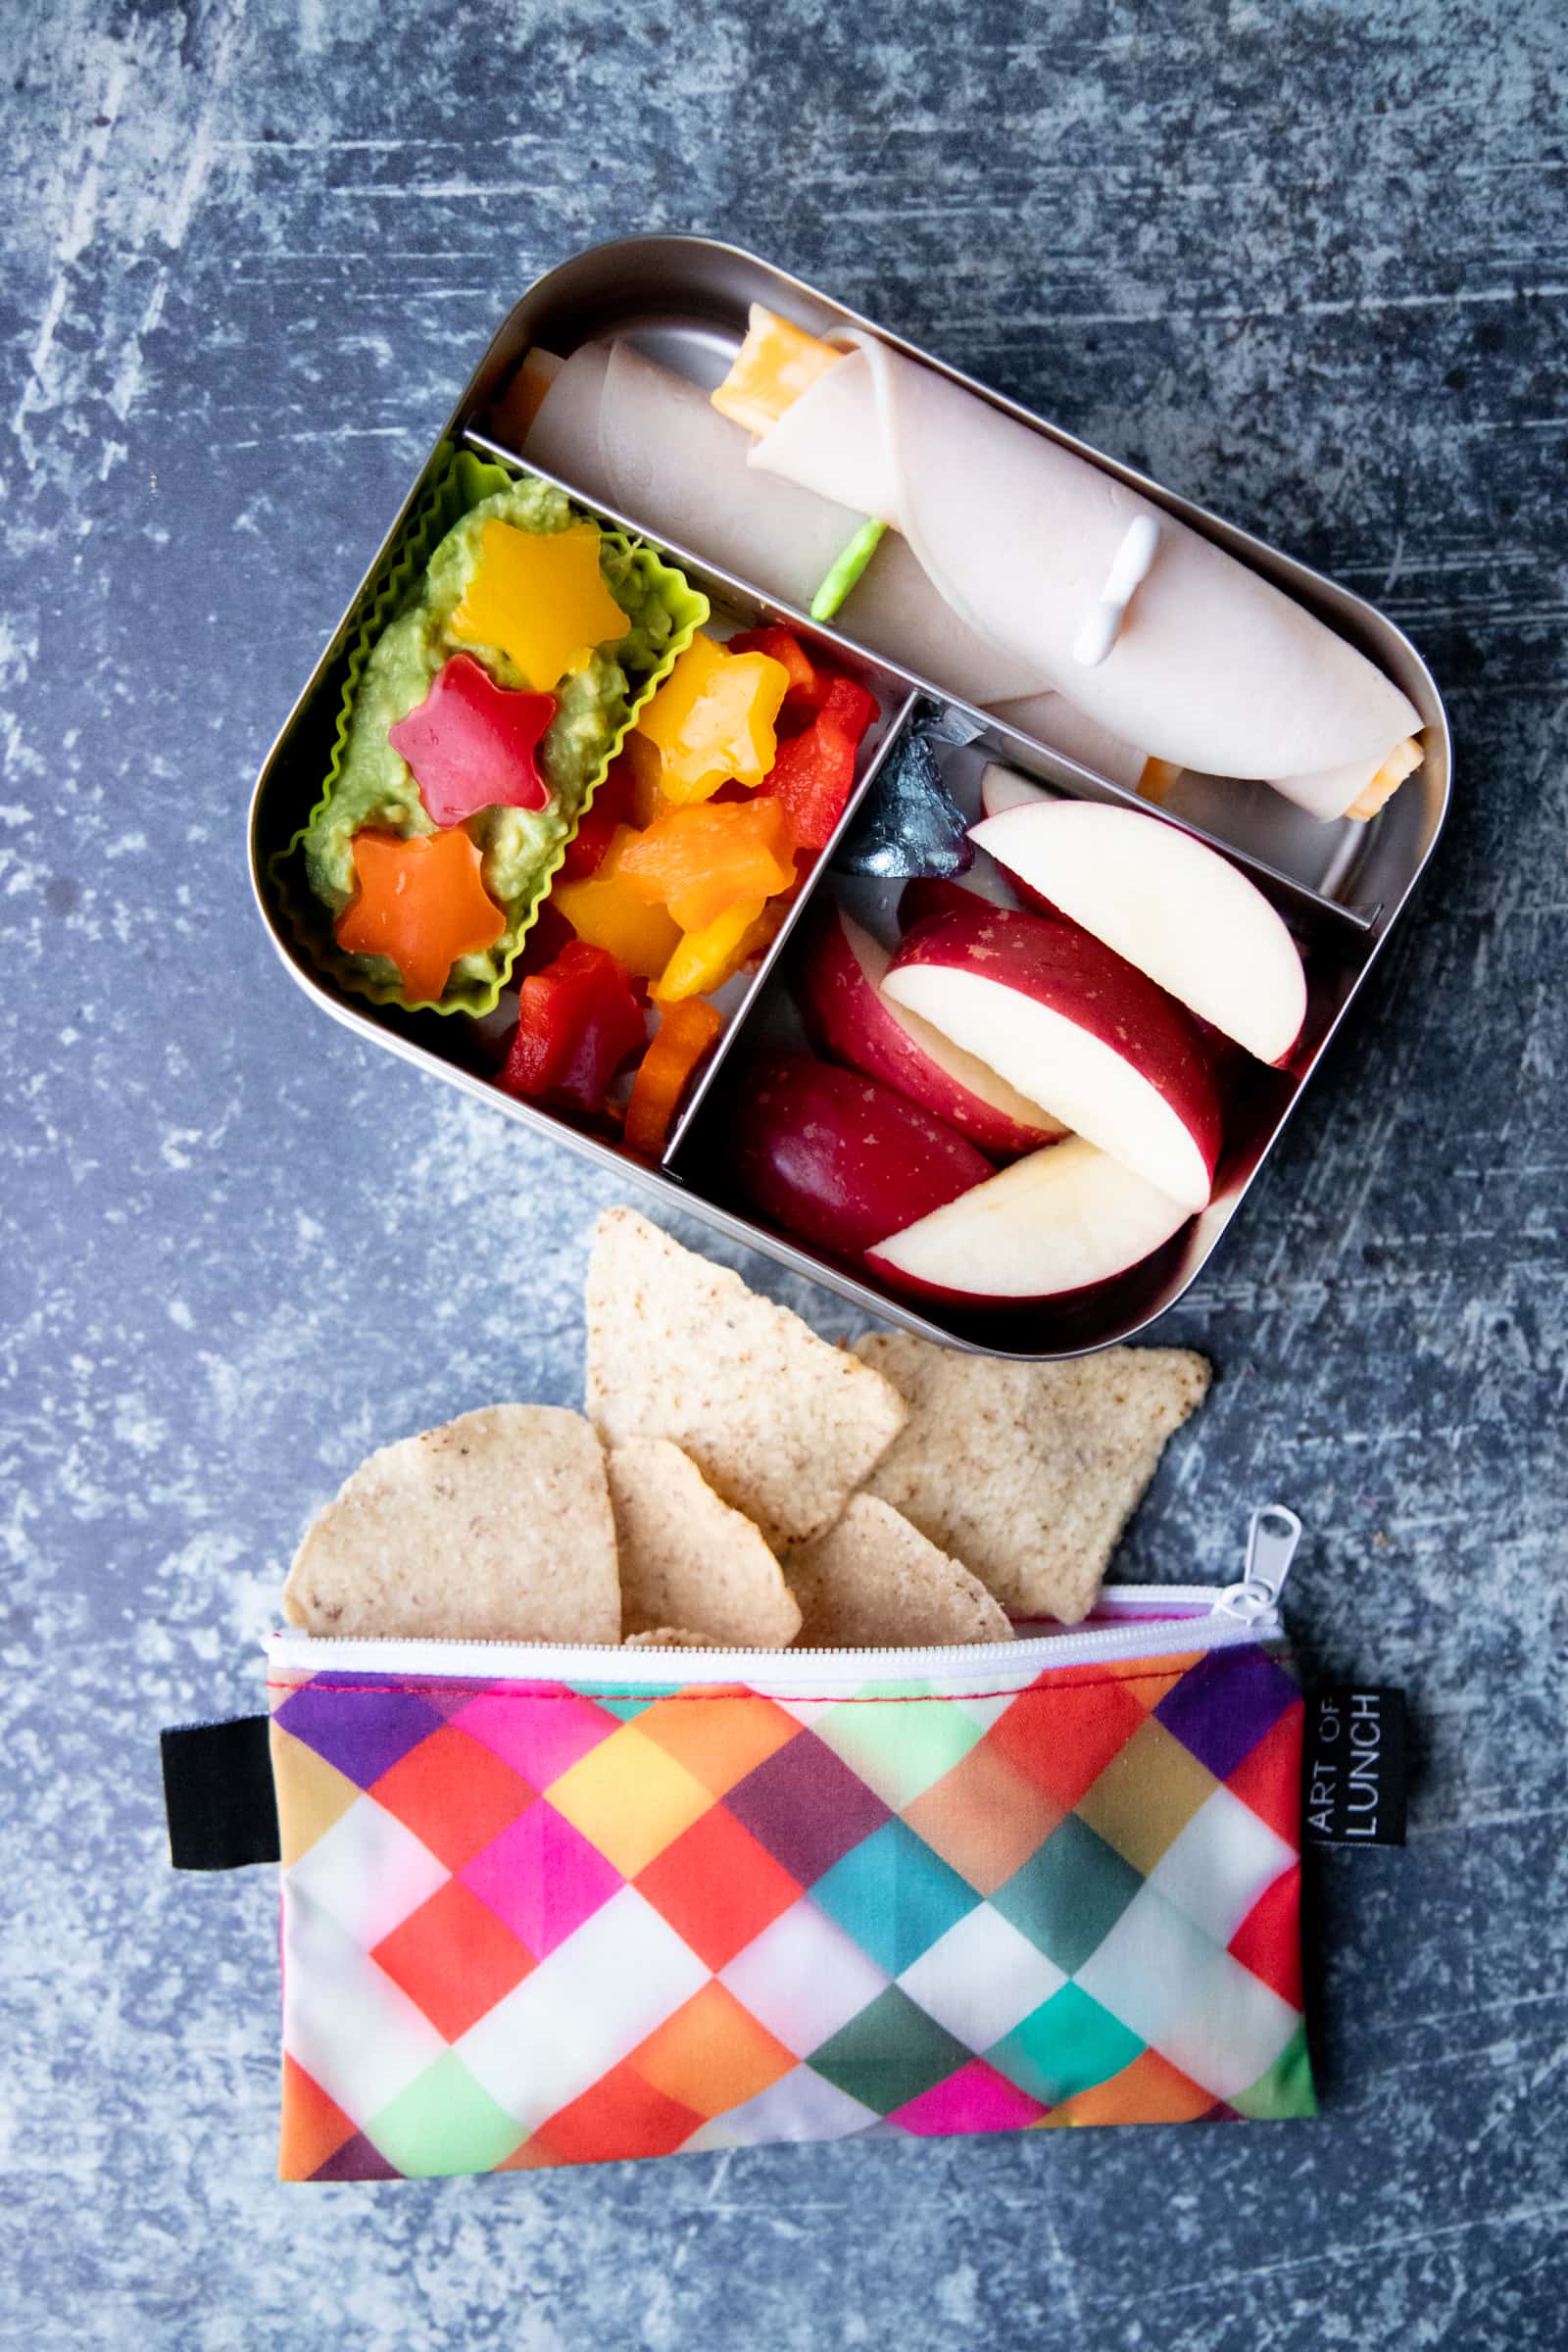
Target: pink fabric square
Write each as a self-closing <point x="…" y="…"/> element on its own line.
<point x="538" y="1733"/>
<point x="541" y="1878"/>
<point x="974" y="2099"/>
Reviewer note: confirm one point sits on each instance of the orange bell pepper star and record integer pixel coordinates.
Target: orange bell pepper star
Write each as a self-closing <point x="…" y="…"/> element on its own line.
<point x="421" y="903"/>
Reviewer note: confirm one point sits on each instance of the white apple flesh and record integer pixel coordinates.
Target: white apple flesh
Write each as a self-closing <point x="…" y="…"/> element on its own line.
<point x="1051" y="1227"/>
<point x="1177" y="910"/>
<point x="1002" y="788"/>
<point x="1057" y="1014"/>
<point x="836" y="983"/>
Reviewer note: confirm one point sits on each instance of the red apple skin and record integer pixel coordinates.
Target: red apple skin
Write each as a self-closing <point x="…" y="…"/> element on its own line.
<point x="1069" y="970"/>
<point x="847" y="1020"/>
<point x="927" y="894"/>
<point x="838" y="1161"/>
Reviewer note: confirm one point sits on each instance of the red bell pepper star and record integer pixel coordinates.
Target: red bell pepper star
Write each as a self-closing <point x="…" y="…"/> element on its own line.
<point x="471" y="744"/>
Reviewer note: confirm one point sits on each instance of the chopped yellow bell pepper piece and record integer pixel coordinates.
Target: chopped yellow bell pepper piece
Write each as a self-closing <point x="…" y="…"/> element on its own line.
<point x="607" y="913"/>
<point x="773" y="366"/>
<point x="539" y="598"/>
<point x="705" y="960"/>
<point x="713" y="720"/>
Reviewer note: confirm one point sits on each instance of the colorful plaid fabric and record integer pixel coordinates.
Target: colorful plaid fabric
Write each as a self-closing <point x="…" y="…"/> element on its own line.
<point x="530" y="1924"/>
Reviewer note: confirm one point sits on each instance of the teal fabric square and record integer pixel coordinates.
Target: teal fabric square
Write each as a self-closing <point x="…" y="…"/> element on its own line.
<point x="1069" y="1894"/>
<point x="1068" y="2044"/>
<point x="894" y="1896"/>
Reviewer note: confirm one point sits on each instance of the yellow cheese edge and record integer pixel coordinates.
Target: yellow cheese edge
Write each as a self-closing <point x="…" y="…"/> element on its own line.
<point x="777" y="361"/>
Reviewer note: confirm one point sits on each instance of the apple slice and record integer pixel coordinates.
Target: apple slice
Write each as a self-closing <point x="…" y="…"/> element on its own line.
<point x="838" y="1160"/>
<point x="928" y="894"/>
<point x="1170" y="905"/>
<point x="835" y="982"/>
<point x="1002" y="788"/>
<point x="1054" y="1011"/>
<point x="1051" y="1227"/>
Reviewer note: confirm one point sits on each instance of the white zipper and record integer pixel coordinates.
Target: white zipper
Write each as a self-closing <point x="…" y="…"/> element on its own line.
<point x="1191" y="1617"/>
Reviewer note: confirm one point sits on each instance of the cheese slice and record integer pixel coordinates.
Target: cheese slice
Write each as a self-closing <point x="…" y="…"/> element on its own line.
<point x="777" y="361"/>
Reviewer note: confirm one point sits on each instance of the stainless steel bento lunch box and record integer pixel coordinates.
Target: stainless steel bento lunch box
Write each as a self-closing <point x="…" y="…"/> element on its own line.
<point x="1341" y="886"/>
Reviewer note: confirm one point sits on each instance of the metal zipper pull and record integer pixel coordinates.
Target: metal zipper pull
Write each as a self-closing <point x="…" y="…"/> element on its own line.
<point x="1271" y="1540"/>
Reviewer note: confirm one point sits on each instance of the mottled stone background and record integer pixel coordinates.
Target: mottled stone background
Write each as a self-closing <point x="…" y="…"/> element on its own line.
<point x="1307" y="263"/>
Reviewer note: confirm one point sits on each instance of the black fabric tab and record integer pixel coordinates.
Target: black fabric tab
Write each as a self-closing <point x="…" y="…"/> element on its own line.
<point x="1353" y="1765"/>
<point x="217" y="1792"/>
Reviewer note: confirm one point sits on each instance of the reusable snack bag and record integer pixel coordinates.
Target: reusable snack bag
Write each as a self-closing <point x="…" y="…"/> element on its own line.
<point x="551" y="1906"/>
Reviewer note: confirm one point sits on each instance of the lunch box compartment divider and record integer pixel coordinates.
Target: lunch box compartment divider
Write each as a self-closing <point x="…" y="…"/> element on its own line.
<point x="689" y="296"/>
<point x="879" y="746"/>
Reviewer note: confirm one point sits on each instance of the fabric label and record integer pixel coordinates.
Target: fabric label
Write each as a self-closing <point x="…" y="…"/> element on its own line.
<point x="1353" y="1766"/>
<point x="217" y="1794"/>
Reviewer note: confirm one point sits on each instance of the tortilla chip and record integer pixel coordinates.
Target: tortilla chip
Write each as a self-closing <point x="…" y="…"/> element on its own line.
<point x="782" y="1425"/>
<point x="1029" y="1472"/>
<point x="670" y="1636"/>
<point x="873" y="1581"/>
<point x="496" y="1527"/>
<point x="686" y="1559"/>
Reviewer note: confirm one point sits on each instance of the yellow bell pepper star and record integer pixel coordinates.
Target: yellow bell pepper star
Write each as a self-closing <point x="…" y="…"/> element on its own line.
<point x="539" y="598"/>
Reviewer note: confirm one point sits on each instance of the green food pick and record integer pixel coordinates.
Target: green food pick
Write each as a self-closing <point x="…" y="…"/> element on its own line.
<point x="847" y="569"/>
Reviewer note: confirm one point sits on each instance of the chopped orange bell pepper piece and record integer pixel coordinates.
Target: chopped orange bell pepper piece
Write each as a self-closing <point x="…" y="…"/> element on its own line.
<point x="698" y="860"/>
<point x="714" y="719"/>
<point x="706" y="958"/>
<point x="422" y="903"/>
<point x="539" y="596"/>
<point x="608" y="911"/>
<point x="685" y="1032"/>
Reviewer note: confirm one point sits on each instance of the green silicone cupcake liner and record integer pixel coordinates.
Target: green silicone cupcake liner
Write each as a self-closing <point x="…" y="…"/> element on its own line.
<point x="461" y="484"/>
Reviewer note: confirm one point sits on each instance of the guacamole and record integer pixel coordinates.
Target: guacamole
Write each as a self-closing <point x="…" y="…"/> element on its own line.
<point x="375" y="787"/>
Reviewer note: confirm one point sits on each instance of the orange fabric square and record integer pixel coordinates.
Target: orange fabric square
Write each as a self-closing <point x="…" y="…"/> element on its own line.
<point x="624" y="2115"/>
<point x="1269" y="1780"/>
<point x="1062" y="1738"/>
<point x="1150" y="1689"/>
<point x="984" y="1818"/>
<point x="1149" y="2091"/>
<point x="532" y="2157"/>
<point x="717" y="1887"/>
<point x="718" y="1740"/>
<point x="454" y="1958"/>
<point x="1268" y="1941"/>
<point x="454" y="1793"/>
<point x="314" y="2126"/>
<point x="713" y="2054"/>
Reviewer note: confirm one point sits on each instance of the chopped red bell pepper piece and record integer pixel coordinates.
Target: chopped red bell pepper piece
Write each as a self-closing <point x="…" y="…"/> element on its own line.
<point x="814" y="773"/>
<point x="577" y="1024"/>
<point x="808" y="683"/>
<point x="613" y="806"/>
<point x="849" y="706"/>
<point x="471" y="744"/>
<point x="547" y="934"/>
